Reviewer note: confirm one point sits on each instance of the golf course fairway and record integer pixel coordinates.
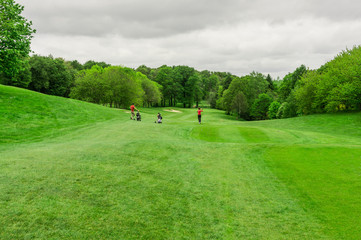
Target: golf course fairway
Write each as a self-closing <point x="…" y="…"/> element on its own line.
<point x="75" y="170"/>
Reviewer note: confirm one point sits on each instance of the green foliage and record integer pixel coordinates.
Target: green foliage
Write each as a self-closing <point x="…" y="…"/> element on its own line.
<point x="90" y="86"/>
<point x="241" y="94"/>
<point x="233" y="97"/>
<point x="290" y="81"/>
<point x="281" y="109"/>
<point x="169" y="87"/>
<point x="15" y="38"/>
<point x="183" y="84"/>
<point x="227" y="81"/>
<point x="273" y="110"/>
<point x="116" y="86"/>
<point x="76" y="65"/>
<point x="219" y="104"/>
<point x="208" y="83"/>
<point x="334" y="87"/>
<point x="270" y="82"/>
<point x="144" y="70"/>
<point x="21" y="79"/>
<point x="187" y="80"/>
<point x="260" y="107"/>
<point x="212" y="99"/>
<point x="51" y="76"/>
<point x="256" y="85"/>
<point x="287" y="109"/>
<point x="219" y="99"/>
<point x="305" y="94"/>
<point x="124" y="85"/>
<point x="220" y="91"/>
<point x="197" y="88"/>
<point x="152" y="94"/>
<point x="292" y="109"/>
<point x="240" y="104"/>
<point x="89" y="64"/>
<point x="345" y="97"/>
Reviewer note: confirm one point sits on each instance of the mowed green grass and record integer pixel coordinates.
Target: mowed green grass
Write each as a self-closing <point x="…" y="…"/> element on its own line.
<point x="73" y="170"/>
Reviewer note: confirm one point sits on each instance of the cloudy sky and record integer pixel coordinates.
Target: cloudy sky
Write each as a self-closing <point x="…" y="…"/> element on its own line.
<point x="236" y="36"/>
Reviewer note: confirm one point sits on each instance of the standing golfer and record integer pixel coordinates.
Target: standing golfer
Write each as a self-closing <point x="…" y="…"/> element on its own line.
<point x="200" y="115"/>
<point x="132" y="111"/>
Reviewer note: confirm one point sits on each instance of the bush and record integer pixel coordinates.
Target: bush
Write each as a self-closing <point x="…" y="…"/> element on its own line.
<point x="287" y="110"/>
<point x="281" y="109"/>
<point x="273" y="110"/>
<point x="260" y="107"/>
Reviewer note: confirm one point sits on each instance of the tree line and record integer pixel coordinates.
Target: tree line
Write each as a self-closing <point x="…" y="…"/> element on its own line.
<point x="334" y="87"/>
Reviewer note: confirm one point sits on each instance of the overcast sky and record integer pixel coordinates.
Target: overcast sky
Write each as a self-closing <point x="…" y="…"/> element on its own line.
<point x="236" y="36"/>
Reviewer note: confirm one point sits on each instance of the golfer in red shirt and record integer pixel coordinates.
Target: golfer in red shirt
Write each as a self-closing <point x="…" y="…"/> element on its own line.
<point x="200" y="115"/>
<point x="132" y="111"/>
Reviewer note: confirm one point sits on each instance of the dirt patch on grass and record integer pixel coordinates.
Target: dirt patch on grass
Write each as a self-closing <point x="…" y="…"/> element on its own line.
<point x="172" y="110"/>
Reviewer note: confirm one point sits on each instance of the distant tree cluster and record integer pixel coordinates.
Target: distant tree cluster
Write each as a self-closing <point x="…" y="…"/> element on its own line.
<point x="115" y="86"/>
<point x="182" y="84"/>
<point x="49" y="75"/>
<point x="247" y="97"/>
<point x="334" y="87"/>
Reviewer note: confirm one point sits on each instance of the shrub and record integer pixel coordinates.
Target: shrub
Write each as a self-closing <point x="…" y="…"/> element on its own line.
<point x="273" y="110"/>
<point x="260" y="107"/>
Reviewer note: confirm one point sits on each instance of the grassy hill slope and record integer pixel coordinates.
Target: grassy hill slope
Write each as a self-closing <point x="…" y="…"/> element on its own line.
<point x="27" y="115"/>
<point x="94" y="174"/>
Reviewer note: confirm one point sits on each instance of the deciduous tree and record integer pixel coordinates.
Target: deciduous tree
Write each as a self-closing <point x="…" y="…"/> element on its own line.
<point x="15" y="38"/>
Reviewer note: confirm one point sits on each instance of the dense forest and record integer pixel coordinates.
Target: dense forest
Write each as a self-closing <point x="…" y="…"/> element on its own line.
<point x="335" y="86"/>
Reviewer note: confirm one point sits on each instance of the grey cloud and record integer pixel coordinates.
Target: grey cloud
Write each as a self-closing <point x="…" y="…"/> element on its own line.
<point x="221" y="35"/>
<point x="162" y="18"/>
<point x="131" y="18"/>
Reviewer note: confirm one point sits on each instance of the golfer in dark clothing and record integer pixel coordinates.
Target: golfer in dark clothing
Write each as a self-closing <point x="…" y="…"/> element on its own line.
<point x="159" y="117"/>
<point x="200" y="115"/>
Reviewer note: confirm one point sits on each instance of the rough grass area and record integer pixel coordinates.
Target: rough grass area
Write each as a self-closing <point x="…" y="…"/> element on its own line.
<point x="73" y="170"/>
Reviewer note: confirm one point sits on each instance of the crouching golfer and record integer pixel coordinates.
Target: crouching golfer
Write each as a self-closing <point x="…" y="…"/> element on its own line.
<point x="200" y="115"/>
<point x="159" y="118"/>
<point x="132" y="111"/>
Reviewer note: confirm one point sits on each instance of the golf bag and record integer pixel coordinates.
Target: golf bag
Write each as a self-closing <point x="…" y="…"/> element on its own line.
<point x="139" y="118"/>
